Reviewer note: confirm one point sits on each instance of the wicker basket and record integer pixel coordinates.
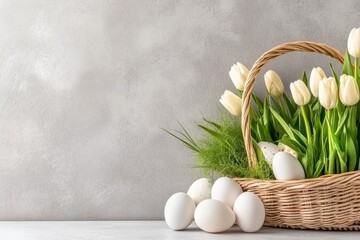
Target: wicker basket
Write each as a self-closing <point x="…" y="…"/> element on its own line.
<point x="330" y="202"/>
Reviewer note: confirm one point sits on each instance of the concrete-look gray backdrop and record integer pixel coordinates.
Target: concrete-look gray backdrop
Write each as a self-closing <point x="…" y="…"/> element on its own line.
<point x="85" y="87"/>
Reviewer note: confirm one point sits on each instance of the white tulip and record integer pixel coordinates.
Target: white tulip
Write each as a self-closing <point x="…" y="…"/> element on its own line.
<point x="328" y="93"/>
<point x="231" y="102"/>
<point x="300" y="93"/>
<point x="238" y="74"/>
<point x="317" y="74"/>
<point x="273" y="83"/>
<point x="353" y="43"/>
<point x="349" y="90"/>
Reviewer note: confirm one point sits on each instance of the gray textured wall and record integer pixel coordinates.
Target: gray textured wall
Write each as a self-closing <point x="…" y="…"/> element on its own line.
<point x="86" y="85"/>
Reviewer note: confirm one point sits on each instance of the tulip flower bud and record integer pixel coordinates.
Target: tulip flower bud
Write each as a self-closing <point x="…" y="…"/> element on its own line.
<point x="231" y="102"/>
<point x="238" y="75"/>
<point x="353" y="43"/>
<point x="317" y="74"/>
<point x="328" y="93"/>
<point x="300" y="93"/>
<point x="273" y="83"/>
<point x="349" y="90"/>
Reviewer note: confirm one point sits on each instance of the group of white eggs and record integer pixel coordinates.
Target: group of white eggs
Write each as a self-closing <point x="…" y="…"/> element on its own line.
<point x="215" y="208"/>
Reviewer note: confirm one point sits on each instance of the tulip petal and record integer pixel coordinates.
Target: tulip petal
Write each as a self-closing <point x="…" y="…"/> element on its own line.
<point x="274" y="84"/>
<point x="317" y="74"/>
<point x="231" y="102"/>
<point x="328" y="93"/>
<point x="349" y="90"/>
<point x="238" y="74"/>
<point x="353" y="43"/>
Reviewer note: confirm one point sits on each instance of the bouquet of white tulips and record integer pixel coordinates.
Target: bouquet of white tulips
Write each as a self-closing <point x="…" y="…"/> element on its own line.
<point x="318" y="123"/>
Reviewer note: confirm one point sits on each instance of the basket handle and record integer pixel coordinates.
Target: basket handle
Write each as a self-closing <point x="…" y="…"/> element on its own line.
<point x="300" y="46"/>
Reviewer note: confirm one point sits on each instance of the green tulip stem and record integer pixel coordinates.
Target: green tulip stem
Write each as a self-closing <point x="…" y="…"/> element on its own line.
<point x="281" y="103"/>
<point x="307" y="126"/>
<point x="331" y="168"/>
<point x="356" y="68"/>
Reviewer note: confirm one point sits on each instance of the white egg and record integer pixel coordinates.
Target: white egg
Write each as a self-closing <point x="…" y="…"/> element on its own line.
<point x="269" y="150"/>
<point x="179" y="211"/>
<point x="287" y="167"/>
<point x="249" y="211"/>
<point x="284" y="148"/>
<point x="226" y="190"/>
<point x="200" y="190"/>
<point x="214" y="216"/>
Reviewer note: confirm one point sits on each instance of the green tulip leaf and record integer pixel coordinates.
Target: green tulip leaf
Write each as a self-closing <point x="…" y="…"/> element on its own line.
<point x="253" y="113"/>
<point x="304" y="78"/>
<point x="319" y="166"/>
<point x="342" y="122"/>
<point x="280" y="110"/>
<point x="282" y="123"/>
<point x="259" y="104"/>
<point x="290" y="104"/>
<point x="260" y="132"/>
<point x="350" y="149"/>
<point x="254" y="132"/>
<point x="266" y="117"/>
<point x="295" y="118"/>
<point x="335" y="140"/>
<point x="299" y="136"/>
<point x="347" y="66"/>
<point x="334" y="74"/>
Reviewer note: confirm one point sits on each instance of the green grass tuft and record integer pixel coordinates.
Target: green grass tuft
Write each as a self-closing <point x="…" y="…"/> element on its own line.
<point x="221" y="150"/>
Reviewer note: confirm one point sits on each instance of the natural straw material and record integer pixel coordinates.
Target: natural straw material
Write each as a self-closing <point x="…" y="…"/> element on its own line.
<point x="330" y="202"/>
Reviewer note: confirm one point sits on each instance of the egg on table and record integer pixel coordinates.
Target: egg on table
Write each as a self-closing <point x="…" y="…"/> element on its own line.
<point x="269" y="150"/>
<point x="214" y="216"/>
<point x="179" y="211"/>
<point x="249" y="211"/>
<point x="200" y="190"/>
<point x="226" y="190"/>
<point x="287" y="167"/>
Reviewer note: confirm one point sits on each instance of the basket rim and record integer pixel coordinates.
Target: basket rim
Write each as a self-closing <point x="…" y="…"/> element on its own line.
<point x="328" y="177"/>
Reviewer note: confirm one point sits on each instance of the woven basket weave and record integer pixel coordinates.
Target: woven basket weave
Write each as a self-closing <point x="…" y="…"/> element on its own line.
<point x="330" y="202"/>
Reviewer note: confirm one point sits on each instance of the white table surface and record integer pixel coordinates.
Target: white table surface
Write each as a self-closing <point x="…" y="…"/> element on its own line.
<point x="100" y="230"/>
